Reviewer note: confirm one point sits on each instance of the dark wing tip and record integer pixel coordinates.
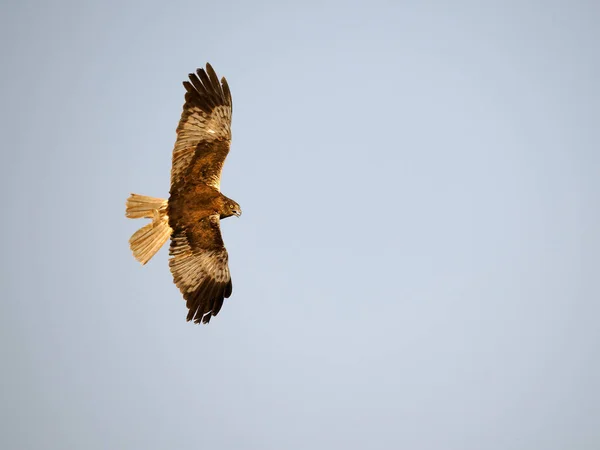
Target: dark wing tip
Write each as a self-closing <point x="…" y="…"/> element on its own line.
<point x="228" y="290"/>
<point x="206" y="89"/>
<point x="226" y="91"/>
<point x="214" y="81"/>
<point x="207" y="300"/>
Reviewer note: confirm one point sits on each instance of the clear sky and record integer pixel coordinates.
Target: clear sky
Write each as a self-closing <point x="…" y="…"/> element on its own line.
<point x="417" y="262"/>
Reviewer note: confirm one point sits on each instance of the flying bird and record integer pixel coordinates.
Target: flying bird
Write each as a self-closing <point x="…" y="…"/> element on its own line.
<point x="191" y="216"/>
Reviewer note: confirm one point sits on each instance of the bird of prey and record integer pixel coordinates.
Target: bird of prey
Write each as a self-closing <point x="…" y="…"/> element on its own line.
<point x="192" y="214"/>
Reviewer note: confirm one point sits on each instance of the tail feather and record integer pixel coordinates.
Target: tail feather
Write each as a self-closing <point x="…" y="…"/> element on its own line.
<point x="146" y="241"/>
<point x="143" y="206"/>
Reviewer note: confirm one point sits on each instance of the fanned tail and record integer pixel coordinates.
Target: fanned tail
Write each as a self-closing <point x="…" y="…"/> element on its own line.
<point x="138" y="206"/>
<point x="146" y="241"/>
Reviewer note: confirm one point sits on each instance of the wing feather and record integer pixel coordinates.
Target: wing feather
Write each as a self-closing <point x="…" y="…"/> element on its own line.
<point x="199" y="264"/>
<point x="226" y="91"/>
<point x="204" y="99"/>
<point x="214" y="81"/>
<point x="212" y="92"/>
<point x="205" y="120"/>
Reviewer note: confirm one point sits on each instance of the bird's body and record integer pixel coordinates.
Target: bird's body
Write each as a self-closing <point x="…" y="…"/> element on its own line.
<point x="191" y="216"/>
<point x="193" y="202"/>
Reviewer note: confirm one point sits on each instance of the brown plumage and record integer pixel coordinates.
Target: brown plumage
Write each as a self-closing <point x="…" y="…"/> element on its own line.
<point x="191" y="216"/>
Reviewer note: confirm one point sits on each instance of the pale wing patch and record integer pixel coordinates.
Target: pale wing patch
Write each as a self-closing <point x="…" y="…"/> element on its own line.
<point x="190" y="268"/>
<point x="216" y="125"/>
<point x="197" y="127"/>
<point x="214" y="180"/>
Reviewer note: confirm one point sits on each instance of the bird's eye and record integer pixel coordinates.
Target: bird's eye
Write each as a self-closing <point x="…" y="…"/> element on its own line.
<point x="231" y="206"/>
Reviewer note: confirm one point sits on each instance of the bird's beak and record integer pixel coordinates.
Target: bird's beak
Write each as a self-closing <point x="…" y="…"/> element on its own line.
<point x="237" y="213"/>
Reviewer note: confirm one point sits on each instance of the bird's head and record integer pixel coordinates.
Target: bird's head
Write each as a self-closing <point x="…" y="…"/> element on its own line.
<point x="231" y="208"/>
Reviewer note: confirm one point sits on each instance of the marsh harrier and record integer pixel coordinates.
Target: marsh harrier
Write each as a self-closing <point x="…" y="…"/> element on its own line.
<point x="192" y="214"/>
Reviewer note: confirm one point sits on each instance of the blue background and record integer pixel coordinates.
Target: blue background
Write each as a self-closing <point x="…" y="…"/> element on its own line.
<point x="417" y="263"/>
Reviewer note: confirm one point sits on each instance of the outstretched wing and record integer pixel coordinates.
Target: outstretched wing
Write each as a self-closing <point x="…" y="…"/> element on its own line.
<point x="199" y="267"/>
<point x="205" y="121"/>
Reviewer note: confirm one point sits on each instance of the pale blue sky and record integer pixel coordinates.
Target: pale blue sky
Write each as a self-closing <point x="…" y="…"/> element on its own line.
<point x="417" y="263"/>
